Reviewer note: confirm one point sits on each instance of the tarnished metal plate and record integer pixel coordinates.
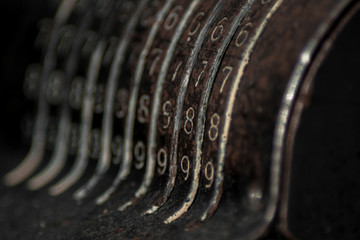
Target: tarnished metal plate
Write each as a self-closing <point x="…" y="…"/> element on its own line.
<point x="184" y="119"/>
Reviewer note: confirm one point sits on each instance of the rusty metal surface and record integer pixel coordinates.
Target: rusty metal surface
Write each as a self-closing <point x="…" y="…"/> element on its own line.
<point x="172" y="119"/>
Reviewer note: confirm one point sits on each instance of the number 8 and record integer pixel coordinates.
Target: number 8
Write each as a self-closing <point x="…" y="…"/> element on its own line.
<point x="214" y="130"/>
<point x="190" y="114"/>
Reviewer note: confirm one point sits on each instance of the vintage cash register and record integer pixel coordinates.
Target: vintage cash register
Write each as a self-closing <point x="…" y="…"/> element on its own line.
<point x="180" y="119"/>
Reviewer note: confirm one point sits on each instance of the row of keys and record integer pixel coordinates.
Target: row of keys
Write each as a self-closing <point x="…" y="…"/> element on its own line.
<point x="151" y="90"/>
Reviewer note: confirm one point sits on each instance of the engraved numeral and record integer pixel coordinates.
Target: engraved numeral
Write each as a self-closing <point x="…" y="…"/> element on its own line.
<point x="172" y="18"/>
<point x="161" y="161"/>
<point x="243" y="35"/>
<point x="176" y="71"/>
<point x="185" y="166"/>
<point x="194" y="29"/>
<point x="139" y="153"/>
<point x="227" y="69"/>
<point x="147" y="17"/>
<point x="189" y="124"/>
<point x="214" y="128"/>
<point x="218" y="30"/>
<point x="143" y="111"/>
<point x="99" y="98"/>
<point x="209" y="174"/>
<point x="166" y="113"/>
<point x="201" y="73"/>
<point x="121" y="103"/>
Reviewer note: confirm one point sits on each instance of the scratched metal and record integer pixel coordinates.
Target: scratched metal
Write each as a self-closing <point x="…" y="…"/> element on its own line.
<point x="150" y="24"/>
<point x="209" y="193"/>
<point x="189" y="160"/>
<point x="178" y="26"/>
<point x="191" y="41"/>
<point x="196" y="123"/>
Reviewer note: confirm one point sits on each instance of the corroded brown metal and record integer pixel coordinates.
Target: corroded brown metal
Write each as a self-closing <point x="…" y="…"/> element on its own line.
<point x="198" y="117"/>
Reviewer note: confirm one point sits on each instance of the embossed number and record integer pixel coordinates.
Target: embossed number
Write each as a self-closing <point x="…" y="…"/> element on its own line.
<point x="99" y="98"/>
<point x="185" y="166"/>
<point x="214" y="128"/>
<point x="201" y="73"/>
<point x="227" y="69"/>
<point x="176" y="71"/>
<point x="189" y="124"/>
<point x="121" y="102"/>
<point x="193" y="29"/>
<point x="161" y="161"/>
<point x="218" y="30"/>
<point x="172" y="18"/>
<point x="143" y="111"/>
<point x="243" y="35"/>
<point x="209" y="174"/>
<point x="139" y="152"/>
<point x="166" y="113"/>
<point x="116" y="149"/>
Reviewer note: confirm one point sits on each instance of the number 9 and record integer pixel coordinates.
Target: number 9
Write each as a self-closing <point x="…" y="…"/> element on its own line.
<point x="185" y="170"/>
<point x="162" y="161"/>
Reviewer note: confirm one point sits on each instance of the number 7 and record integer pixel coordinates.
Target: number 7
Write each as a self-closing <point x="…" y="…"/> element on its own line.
<point x="229" y="70"/>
